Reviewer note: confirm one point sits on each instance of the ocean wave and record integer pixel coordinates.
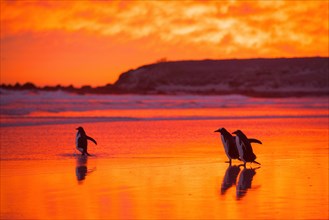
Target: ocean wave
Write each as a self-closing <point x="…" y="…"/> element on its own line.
<point x="26" y="102"/>
<point x="35" y="121"/>
<point x="26" y="108"/>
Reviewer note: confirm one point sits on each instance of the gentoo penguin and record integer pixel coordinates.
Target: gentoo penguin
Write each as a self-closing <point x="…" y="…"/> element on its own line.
<point x="229" y="144"/>
<point x="81" y="141"/>
<point x="246" y="153"/>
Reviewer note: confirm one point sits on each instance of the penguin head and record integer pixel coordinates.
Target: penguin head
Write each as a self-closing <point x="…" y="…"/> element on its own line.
<point x="221" y="130"/>
<point x="79" y="129"/>
<point x="237" y="132"/>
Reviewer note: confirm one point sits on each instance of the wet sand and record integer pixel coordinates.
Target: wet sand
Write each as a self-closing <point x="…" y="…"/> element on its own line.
<point x="165" y="170"/>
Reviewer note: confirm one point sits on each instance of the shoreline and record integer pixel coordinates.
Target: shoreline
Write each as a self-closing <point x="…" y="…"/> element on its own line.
<point x="96" y="91"/>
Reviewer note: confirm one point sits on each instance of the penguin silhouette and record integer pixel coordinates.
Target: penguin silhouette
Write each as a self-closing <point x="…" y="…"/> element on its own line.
<point x="81" y="141"/>
<point x="243" y="143"/>
<point x="229" y="144"/>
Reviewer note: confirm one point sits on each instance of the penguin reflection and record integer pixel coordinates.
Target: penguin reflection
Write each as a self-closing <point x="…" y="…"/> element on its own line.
<point x="229" y="180"/>
<point x="81" y="169"/>
<point x="244" y="182"/>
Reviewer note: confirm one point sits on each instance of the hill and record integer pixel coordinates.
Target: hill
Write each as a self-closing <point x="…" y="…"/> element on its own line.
<point x="255" y="77"/>
<point x="281" y="77"/>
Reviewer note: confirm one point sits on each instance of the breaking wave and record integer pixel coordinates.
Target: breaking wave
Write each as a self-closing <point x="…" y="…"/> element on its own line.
<point x="21" y="108"/>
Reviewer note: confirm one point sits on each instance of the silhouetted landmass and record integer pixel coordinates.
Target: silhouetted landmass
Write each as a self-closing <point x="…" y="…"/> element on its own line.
<point x="253" y="77"/>
<point x="107" y="89"/>
<point x="278" y="77"/>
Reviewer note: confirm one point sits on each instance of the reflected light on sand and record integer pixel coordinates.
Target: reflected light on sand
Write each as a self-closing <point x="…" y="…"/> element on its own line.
<point x="166" y="170"/>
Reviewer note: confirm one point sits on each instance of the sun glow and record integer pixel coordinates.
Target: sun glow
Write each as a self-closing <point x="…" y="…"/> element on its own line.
<point x="45" y="41"/>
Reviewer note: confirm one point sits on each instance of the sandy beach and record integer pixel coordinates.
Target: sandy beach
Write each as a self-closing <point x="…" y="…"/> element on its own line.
<point x="165" y="169"/>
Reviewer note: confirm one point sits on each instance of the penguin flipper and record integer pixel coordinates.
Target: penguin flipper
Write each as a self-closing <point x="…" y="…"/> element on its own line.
<point x="90" y="138"/>
<point x="253" y="140"/>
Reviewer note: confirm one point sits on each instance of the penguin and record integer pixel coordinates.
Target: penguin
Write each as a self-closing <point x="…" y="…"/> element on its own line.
<point x="229" y="144"/>
<point x="246" y="153"/>
<point x="81" y="141"/>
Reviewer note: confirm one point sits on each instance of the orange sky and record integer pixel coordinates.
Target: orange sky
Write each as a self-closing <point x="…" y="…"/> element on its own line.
<point x="83" y="42"/>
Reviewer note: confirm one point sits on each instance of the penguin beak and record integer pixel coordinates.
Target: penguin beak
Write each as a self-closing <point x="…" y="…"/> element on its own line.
<point x="234" y="132"/>
<point x="77" y="129"/>
<point x="218" y="130"/>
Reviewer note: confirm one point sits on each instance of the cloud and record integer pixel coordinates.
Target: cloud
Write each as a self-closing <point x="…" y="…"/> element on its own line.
<point x="148" y="30"/>
<point x="250" y="23"/>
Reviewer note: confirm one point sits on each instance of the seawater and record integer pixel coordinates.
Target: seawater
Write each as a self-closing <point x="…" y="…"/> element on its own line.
<point x="158" y="157"/>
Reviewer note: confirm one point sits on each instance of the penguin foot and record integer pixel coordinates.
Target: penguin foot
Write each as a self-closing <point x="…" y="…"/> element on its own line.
<point x="256" y="162"/>
<point x="85" y="154"/>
